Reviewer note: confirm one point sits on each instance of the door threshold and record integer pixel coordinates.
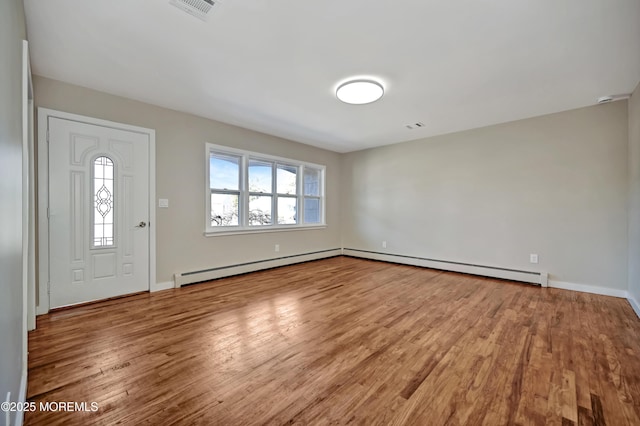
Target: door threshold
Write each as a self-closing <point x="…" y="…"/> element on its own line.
<point x="95" y="302"/>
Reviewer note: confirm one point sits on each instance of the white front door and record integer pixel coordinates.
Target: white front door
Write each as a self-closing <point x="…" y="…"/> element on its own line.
<point x="98" y="212"/>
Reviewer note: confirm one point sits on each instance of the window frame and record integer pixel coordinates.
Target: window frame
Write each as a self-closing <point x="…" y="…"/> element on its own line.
<point x="243" y="226"/>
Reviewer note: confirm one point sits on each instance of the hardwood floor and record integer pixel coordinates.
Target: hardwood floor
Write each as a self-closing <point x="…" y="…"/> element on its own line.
<point x="342" y="341"/>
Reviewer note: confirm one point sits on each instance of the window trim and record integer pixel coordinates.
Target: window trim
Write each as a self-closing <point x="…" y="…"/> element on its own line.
<point x="243" y="226"/>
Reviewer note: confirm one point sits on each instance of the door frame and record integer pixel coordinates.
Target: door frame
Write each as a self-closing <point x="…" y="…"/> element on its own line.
<point x="28" y="192"/>
<point x="43" y="195"/>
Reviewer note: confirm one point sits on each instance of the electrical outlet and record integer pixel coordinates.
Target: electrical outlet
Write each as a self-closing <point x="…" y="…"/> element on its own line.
<point x="533" y="258"/>
<point x="384" y="244"/>
<point x="277" y="248"/>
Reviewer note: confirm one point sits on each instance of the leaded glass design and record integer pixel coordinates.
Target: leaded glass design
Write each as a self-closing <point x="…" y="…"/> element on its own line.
<point x="103" y="202"/>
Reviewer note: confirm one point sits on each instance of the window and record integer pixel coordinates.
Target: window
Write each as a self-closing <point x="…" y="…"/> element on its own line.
<point x="260" y="192"/>
<point x="312" y="194"/>
<point x="248" y="191"/>
<point x="224" y="181"/>
<point x="287" y="179"/>
<point x="102" y="203"/>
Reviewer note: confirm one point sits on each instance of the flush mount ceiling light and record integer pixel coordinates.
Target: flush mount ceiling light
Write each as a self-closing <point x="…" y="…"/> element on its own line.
<point x="359" y="92"/>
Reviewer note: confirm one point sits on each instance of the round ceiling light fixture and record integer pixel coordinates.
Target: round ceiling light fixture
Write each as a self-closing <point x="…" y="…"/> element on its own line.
<point x="359" y="92"/>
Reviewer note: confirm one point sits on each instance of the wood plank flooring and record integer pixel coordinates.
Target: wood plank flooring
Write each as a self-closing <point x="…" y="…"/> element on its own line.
<point x="342" y="341"/>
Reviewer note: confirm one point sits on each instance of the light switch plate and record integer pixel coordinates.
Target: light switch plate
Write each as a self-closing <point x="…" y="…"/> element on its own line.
<point x="163" y="203"/>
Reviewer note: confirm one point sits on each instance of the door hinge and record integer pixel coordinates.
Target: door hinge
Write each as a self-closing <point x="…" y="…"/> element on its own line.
<point x="47" y="135"/>
<point x="49" y="288"/>
<point x="48" y="215"/>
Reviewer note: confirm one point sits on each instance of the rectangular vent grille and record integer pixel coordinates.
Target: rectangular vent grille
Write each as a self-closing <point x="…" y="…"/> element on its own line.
<point x="415" y="125"/>
<point x="197" y="8"/>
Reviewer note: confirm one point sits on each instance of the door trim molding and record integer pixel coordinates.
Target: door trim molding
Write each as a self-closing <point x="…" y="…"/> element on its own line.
<point x="43" y="195"/>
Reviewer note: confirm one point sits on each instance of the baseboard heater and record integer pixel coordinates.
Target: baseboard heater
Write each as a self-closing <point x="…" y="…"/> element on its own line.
<point x="532" y="277"/>
<point x="243" y="268"/>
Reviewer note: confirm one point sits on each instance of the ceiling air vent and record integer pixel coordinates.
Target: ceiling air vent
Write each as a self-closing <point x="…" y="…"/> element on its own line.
<point x="612" y="98"/>
<point x="415" y="125"/>
<point x="197" y="8"/>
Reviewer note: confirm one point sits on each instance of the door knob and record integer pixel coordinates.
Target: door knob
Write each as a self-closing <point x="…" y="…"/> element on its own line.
<point x="141" y="225"/>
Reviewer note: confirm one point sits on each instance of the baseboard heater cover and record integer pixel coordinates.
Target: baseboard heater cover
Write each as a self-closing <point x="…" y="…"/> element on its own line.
<point x="243" y="268"/>
<point x="532" y="277"/>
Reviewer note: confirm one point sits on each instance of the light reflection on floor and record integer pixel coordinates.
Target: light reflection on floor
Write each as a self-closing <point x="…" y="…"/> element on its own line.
<point x="248" y="329"/>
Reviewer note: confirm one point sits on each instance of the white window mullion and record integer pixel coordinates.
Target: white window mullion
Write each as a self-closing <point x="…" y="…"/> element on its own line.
<point x="322" y="196"/>
<point x="244" y="194"/>
<point x="207" y="188"/>
<point x="300" y="195"/>
<point x="274" y="194"/>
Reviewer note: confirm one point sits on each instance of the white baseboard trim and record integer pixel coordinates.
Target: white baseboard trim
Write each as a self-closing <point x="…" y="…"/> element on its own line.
<point x="465" y="268"/>
<point x="635" y="305"/>
<point x="604" y="291"/>
<point x="167" y="285"/>
<point x="22" y="397"/>
<point x="243" y="268"/>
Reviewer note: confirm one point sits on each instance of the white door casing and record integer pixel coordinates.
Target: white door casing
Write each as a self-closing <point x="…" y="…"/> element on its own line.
<point x="79" y="270"/>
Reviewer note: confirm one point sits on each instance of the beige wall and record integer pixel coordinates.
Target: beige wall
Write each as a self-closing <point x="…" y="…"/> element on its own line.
<point x="634" y="195"/>
<point x="12" y="32"/>
<point x="554" y="185"/>
<point x="180" y="170"/>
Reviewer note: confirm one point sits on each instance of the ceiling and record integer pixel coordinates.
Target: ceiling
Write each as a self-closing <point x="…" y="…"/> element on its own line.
<point x="274" y="65"/>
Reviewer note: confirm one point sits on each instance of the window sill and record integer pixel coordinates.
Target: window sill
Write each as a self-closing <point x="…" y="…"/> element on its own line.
<point x="262" y="230"/>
